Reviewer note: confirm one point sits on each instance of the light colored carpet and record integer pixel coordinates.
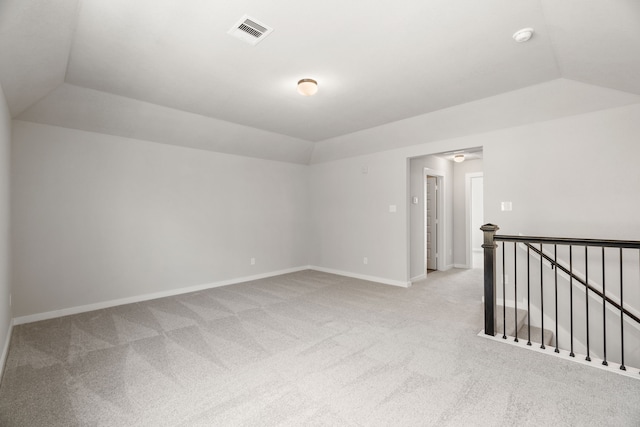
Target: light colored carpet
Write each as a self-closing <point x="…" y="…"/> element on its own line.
<point x="307" y="348"/>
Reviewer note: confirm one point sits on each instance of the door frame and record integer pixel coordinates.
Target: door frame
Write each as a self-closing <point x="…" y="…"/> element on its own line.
<point x="468" y="217"/>
<point x="440" y="239"/>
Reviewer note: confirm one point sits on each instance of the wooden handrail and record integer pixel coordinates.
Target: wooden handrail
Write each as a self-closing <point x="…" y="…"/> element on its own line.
<point x="624" y="244"/>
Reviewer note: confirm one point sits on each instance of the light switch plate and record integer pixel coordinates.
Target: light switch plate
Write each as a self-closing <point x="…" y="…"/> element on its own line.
<point x="392" y="208"/>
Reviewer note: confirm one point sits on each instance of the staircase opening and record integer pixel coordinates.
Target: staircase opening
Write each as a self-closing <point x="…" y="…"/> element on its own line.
<point x="572" y="297"/>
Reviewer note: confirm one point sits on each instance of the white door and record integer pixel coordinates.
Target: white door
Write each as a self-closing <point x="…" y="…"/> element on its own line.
<point x="432" y="223"/>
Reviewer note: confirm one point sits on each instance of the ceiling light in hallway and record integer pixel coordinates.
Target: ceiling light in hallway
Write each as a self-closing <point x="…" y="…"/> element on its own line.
<point x="458" y="158"/>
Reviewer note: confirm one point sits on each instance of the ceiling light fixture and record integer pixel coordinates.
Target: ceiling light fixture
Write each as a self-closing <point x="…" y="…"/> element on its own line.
<point x="458" y="158"/>
<point x="523" y="35"/>
<point x="307" y="87"/>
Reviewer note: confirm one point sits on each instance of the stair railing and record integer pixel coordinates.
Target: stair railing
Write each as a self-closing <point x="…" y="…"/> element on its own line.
<point x="490" y="247"/>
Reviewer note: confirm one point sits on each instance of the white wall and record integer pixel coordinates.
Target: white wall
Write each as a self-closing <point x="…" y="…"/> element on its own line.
<point x="573" y="177"/>
<point x="5" y="276"/>
<point x="460" y="170"/>
<point x="99" y="217"/>
<point x="416" y="236"/>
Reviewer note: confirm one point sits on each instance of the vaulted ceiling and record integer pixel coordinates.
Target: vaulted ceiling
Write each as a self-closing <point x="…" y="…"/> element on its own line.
<point x="152" y="68"/>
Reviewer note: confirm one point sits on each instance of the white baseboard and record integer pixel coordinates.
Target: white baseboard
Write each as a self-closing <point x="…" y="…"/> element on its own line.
<point x="172" y="292"/>
<point x="138" y="298"/>
<point x="362" y="277"/>
<point x="418" y="278"/>
<point x="465" y="266"/>
<point x="5" y="349"/>
<point x="564" y="354"/>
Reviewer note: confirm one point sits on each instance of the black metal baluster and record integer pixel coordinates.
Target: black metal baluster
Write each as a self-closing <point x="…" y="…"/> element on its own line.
<point x="541" y="301"/>
<point x="555" y="264"/>
<point x="515" y="286"/>
<point x="537" y="245"/>
<point x="504" y="296"/>
<point x="572" y="354"/>
<point x="528" y="294"/>
<point x="604" y="313"/>
<point x="622" y="367"/>
<point x="586" y="296"/>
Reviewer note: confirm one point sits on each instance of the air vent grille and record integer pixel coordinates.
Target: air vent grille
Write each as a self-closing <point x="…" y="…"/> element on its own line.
<point x="249" y="30"/>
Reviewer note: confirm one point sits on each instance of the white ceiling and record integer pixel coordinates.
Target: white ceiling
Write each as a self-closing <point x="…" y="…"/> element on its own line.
<point x="376" y="62"/>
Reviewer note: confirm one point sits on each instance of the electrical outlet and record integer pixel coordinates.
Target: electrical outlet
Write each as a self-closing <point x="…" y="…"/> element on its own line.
<point x="506" y="279"/>
<point x="365" y="260"/>
<point x="253" y="261"/>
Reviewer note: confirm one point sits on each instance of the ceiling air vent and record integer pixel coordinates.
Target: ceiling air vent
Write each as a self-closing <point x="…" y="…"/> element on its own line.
<point x="250" y="30"/>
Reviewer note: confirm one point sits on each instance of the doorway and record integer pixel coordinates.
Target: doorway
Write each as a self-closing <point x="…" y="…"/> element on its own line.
<point x="475" y="219"/>
<point x="431" y="223"/>
<point x="420" y="168"/>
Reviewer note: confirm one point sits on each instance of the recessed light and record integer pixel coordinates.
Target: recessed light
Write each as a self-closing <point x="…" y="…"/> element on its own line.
<point x="523" y="35"/>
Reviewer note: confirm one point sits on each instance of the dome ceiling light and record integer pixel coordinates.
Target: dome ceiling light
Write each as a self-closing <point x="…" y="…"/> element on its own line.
<point x="307" y="87"/>
<point x="458" y="158"/>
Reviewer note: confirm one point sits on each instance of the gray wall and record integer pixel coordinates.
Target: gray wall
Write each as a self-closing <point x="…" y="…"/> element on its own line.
<point x="351" y="219"/>
<point x="99" y="217"/>
<point x="5" y="277"/>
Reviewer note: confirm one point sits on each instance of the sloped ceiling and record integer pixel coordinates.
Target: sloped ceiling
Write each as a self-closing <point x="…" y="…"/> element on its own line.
<point x="35" y="41"/>
<point x="119" y="66"/>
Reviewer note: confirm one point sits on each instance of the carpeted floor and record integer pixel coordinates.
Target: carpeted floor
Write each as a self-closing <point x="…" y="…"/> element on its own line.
<point x="306" y="348"/>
